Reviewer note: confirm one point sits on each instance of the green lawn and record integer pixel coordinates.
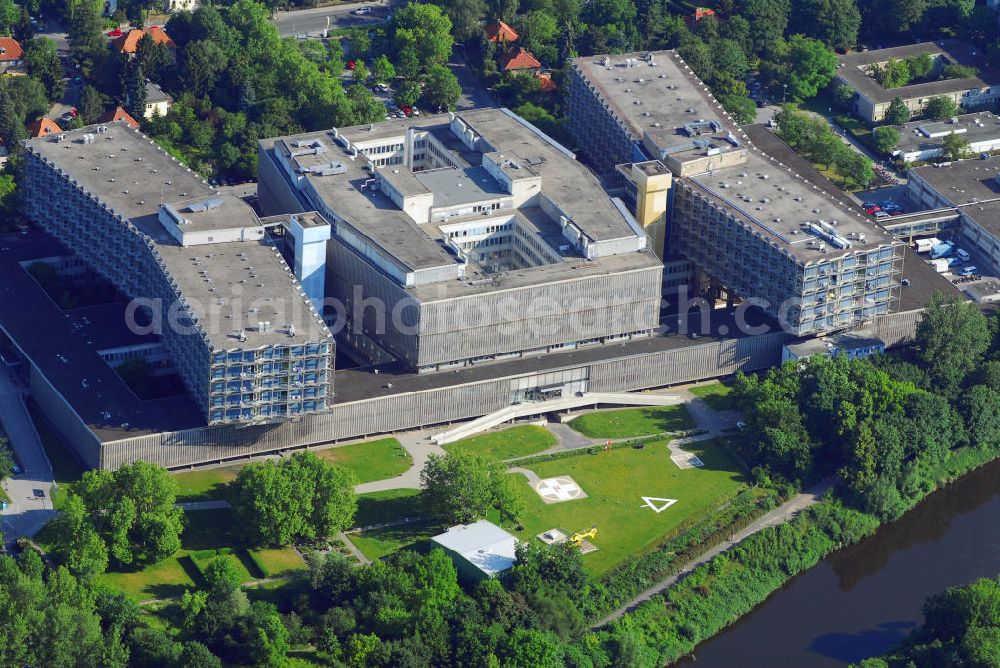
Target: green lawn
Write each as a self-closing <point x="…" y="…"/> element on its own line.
<point x="206" y="536"/>
<point x="377" y="543"/>
<point x="277" y="561"/>
<point x="615" y="483"/>
<point x="371" y="460"/>
<point x="385" y="507"/>
<point x="717" y="395"/>
<point x="388" y="506"/>
<point x="631" y="422"/>
<point x="508" y="443"/>
<point x="204" y="485"/>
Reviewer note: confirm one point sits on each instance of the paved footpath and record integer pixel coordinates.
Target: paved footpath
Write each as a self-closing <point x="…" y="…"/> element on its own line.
<point x="779" y="515"/>
<point x="420" y="447"/>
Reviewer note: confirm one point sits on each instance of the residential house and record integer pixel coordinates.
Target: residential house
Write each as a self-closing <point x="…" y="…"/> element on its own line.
<point x="11" y="54"/>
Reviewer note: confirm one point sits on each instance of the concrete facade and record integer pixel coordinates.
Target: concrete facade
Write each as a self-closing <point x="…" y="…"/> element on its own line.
<point x="461" y="239"/>
<point x="754" y="227"/>
<point x="97" y="191"/>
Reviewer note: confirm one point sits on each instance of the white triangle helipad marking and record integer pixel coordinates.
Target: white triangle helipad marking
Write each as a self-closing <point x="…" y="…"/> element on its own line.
<point x="648" y="503"/>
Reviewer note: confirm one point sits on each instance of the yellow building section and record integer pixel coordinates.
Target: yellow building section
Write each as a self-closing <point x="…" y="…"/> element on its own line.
<point x="652" y="181"/>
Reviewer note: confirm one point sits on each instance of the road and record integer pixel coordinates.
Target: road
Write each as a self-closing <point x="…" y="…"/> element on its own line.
<point x="314" y="21"/>
<point x="28" y="511"/>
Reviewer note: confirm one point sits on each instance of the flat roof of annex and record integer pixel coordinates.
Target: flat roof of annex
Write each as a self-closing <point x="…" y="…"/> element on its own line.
<point x="852" y="69"/>
<point x="123" y="169"/>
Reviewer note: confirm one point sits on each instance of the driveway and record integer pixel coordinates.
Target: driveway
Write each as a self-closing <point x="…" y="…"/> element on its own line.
<point x="31" y="491"/>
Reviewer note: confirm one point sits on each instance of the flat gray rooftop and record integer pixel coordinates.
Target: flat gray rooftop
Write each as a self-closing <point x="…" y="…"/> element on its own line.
<point x="852" y="70"/>
<point x="133" y="176"/>
<point x="778" y="201"/>
<point x="452" y="186"/>
<point x="221" y="211"/>
<point x="370" y="212"/>
<point x="928" y="135"/>
<point x="657" y="96"/>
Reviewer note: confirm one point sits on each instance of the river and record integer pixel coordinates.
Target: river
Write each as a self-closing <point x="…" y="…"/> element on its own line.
<point x="864" y="599"/>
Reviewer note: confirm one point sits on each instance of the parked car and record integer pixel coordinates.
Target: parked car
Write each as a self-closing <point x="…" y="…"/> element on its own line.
<point x="881" y="215"/>
<point x="407" y="111"/>
<point x="351" y="64"/>
<point x="968" y="271"/>
<point x="872" y="210"/>
<point x="362" y="11"/>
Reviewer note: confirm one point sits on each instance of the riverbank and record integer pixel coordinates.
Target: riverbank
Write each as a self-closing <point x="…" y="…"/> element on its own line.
<point x="864" y="600"/>
<point x="734" y="583"/>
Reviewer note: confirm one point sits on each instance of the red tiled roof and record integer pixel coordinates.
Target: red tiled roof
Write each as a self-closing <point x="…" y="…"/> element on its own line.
<point x="702" y="12"/>
<point x="43" y="127"/>
<point x="519" y="59"/>
<point x="118" y="114"/>
<point x="498" y="31"/>
<point x="547" y="84"/>
<point x="160" y="36"/>
<point x="11" y="49"/>
<point x="129" y="42"/>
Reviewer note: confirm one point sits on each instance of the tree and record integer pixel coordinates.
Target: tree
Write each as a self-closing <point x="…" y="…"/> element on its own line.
<point x="897" y="113"/>
<point x="202" y="63"/>
<point x="465" y="16"/>
<point x="811" y="66"/>
<point x="133" y="511"/>
<point x="426" y="29"/>
<point x="886" y="138"/>
<point x="360" y="73"/>
<point x="538" y="31"/>
<point x="6" y="460"/>
<point x="27" y="95"/>
<point x="78" y="545"/>
<point x="407" y="93"/>
<point x="383" y="71"/>
<point x="42" y="62"/>
<point x="154" y="58"/>
<point x="442" y="89"/>
<point x="940" y="107"/>
<point x="894" y="73"/>
<point x="768" y="20"/>
<point x="462" y="487"/>
<point x="843" y="96"/>
<point x="955" y="146"/>
<point x="303" y="497"/>
<point x="91" y="104"/>
<point x="981" y="410"/>
<point x="951" y="339"/>
<point x="742" y="108"/>
<point x="134" y="89"/>
<point x="854" y="166"/>
<point x="834" y="22"/>
<point x="88" y="45"/>
<point x="359" y="43"/>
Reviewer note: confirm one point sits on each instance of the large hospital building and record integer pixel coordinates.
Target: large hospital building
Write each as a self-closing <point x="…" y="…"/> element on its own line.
<point x="751" y="226"/>
<point x="443" y="267"/>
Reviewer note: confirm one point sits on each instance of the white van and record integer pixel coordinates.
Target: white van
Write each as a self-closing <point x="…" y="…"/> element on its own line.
<point x="962" y="254"/>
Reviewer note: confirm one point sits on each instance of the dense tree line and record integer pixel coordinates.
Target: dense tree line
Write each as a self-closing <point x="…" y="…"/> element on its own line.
<point x="961" y="628"/>
<point x="812" y="137"/>
<point x="887" y="428"/>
